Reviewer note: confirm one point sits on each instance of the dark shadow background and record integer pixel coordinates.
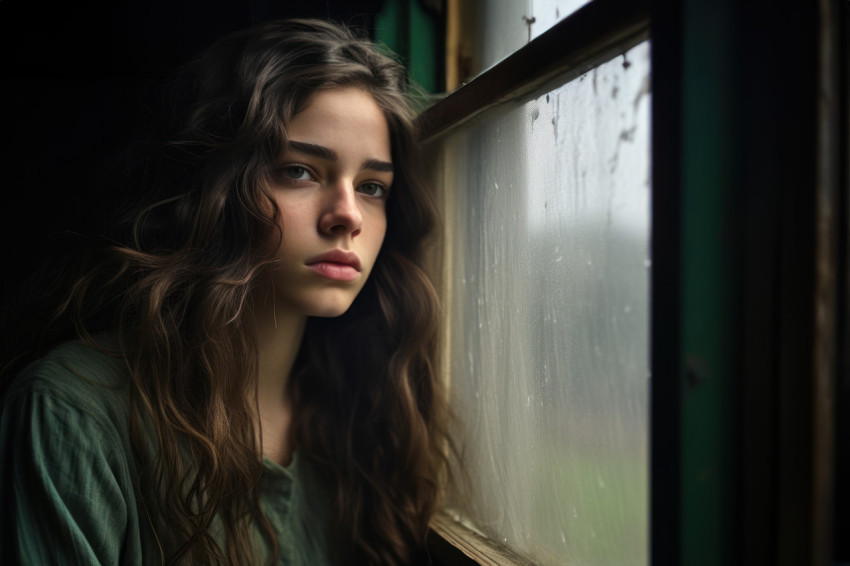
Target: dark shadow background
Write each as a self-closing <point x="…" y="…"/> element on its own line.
<point x="73" y="82"/>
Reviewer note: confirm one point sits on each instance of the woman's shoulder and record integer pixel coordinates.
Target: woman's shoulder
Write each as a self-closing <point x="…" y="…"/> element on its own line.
<point x="89" y="377"/>
<point x="66" y="461"/>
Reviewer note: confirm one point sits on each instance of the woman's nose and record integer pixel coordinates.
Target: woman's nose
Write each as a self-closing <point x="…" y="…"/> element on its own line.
<point x="341" y="213"/>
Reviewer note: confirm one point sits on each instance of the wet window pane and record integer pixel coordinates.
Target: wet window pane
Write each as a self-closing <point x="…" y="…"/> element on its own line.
<point x="547" y="218"/>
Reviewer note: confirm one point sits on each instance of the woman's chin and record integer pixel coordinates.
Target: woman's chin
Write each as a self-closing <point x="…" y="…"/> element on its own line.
<point x="330" y="307"/>
<point x="330" y="313"/>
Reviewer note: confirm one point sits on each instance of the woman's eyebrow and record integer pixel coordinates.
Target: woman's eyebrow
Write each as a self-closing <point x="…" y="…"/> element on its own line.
<point x="378" y="165"/>
<point x="323" y="152"/>
<point x="314" y="150"/>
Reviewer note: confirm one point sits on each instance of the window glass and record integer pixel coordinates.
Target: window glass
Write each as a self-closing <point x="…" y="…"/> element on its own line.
<point x="547" y="204"/>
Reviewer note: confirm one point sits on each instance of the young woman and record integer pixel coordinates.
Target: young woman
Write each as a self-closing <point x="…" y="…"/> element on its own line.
<point x="254" y="379"/>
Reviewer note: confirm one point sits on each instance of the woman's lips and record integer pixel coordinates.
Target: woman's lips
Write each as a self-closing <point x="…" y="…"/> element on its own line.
<point x="332" y="270"/>
<point x="336" y="264"/>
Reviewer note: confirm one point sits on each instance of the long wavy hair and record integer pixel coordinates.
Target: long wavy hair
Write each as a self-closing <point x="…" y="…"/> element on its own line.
<point x="177" y="285"/>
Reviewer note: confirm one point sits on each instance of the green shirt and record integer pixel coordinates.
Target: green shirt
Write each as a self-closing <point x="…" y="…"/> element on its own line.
<point x="68" y="481"/>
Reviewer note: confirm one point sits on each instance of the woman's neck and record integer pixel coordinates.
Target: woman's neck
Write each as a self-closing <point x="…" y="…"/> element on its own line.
<point x="279" y="334"/>
<point x="278" y="339"/>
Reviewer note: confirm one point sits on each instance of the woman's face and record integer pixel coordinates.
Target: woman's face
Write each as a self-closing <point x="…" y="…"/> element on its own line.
<point x="331" y="184"/>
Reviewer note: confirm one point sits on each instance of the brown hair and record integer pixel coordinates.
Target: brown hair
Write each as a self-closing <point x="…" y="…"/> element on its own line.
<point x="181" y="281"/>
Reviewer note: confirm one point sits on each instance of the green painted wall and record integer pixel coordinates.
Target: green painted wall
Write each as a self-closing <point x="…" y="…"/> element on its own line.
<point x="415" y="34"/>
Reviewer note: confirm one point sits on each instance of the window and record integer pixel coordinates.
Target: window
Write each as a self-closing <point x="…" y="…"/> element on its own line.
<point x="547" y="209"/>
<point x="546" y="200"/>
<point x="748" y="309"/>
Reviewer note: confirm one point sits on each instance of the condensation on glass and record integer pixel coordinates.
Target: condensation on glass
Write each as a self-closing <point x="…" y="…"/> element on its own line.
<point x="507" y="25"/>
<point x="547" y="206"/>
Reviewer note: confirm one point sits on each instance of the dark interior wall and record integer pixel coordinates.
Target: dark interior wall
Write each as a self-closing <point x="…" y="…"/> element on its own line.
<point x="71" y="78"/>
<point x="126" y="38"/>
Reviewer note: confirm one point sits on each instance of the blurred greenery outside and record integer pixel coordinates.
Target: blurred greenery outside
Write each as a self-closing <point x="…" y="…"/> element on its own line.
<point x="590" y="529"/>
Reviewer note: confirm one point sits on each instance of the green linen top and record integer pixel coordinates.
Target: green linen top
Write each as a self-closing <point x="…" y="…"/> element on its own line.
<point x="68" y="481"/>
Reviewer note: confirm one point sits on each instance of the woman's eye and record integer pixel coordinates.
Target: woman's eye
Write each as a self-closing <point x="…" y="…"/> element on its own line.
<point x="296" y="173"/>
<point x="373" y="189"/>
